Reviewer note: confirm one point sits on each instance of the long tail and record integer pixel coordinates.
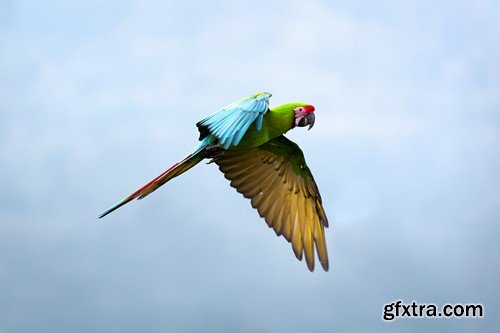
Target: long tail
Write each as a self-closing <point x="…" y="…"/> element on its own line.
<point x="175" y="170"/>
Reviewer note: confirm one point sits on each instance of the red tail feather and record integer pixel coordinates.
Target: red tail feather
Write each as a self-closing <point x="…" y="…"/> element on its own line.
<point x="174" y="171"/>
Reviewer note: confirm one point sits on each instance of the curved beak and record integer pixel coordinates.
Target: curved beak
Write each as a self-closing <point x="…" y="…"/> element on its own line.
<point x="310" y="119"/>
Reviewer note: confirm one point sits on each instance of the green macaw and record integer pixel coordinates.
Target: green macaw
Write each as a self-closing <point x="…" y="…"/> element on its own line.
<point x="245" y="139"/>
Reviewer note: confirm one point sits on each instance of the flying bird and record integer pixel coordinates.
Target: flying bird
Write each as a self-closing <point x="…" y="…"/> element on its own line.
<point x="245" y="139"/>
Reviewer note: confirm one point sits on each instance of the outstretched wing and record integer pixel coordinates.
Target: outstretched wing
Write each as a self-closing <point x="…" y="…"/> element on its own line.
<point x="230" y="123"/>
<point x="280" y="185"/>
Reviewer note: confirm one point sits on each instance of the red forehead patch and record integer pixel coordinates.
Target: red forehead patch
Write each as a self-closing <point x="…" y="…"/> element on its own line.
<point x="309" y="108"/>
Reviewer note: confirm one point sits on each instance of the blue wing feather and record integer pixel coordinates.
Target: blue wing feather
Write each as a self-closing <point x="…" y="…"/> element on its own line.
<point x="230" y="124"/>
<point x="258" y="122"/>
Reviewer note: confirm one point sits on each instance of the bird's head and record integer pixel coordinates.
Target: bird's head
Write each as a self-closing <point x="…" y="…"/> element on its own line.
<point x="304" y="115"/>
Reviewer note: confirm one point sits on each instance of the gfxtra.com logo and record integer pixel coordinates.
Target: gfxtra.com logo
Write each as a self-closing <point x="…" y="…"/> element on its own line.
<point x="398" y="309"/>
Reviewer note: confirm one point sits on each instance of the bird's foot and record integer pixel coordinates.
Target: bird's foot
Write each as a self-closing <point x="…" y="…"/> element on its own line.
<point x="214" y="152"/>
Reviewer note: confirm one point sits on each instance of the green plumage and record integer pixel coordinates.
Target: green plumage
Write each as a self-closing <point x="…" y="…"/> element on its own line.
<point x="277" y="121"/>
<point x="245" y="139"/>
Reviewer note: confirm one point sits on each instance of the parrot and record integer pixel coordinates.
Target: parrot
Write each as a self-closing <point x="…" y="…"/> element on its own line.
<point x="246" y="141"/>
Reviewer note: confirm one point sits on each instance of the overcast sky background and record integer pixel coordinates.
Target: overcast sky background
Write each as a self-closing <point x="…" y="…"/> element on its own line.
<point x="98" y="97"/>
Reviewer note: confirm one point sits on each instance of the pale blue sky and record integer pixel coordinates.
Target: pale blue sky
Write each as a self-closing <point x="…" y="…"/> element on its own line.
<point x="97" y="98"/>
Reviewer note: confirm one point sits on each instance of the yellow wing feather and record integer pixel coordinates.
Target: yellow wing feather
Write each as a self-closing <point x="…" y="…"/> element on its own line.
<point x="289" y="203"/>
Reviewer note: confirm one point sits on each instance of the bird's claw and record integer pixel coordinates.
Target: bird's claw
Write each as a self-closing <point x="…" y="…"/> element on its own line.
<point x="214" y="152"/>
